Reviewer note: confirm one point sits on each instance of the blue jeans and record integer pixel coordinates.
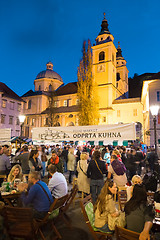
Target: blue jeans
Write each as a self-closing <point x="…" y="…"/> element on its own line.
<point x="105" y="228"/>
<point x="44" y="168"/>
<point x="95" y="188"/>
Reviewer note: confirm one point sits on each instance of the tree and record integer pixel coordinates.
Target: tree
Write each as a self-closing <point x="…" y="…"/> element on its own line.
<point x="52" y="117"/>
<point x="88" y="105"/>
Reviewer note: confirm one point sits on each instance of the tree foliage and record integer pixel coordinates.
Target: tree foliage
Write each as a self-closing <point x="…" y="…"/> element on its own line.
<point x="52" y="117"/>
<point x="88" y="104"/>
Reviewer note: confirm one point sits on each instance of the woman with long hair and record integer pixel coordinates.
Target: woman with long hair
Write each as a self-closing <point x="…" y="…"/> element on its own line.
<point x="33" y="161"/>
<point x="82" y="181"/>
<point x="139" y="216"/>
<point x="16" y="173"/>
<point x="105" y="205"/>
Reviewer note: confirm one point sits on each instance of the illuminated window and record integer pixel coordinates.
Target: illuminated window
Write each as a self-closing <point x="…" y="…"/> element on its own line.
<point x="33" y="121"/>
<point x="104" y="119"/>
<point x="27" y="120"/>
<point x="18" y="107"/>
<point x="55" y="104"/>
<point x="3" y="118"/>
<point x="10" y="119"/>
<point x="77" y="101"/>
<point x="134" y="112"/>
<point x="65" y="103"/>
<point x="4" y="103"/>
<point x="118" y="113"/>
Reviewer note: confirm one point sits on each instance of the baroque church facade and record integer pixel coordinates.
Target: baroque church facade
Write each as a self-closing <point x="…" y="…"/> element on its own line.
<point x="111" y="76"/>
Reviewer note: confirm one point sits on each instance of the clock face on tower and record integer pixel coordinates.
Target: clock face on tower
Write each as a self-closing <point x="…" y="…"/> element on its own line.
<point x="101" y="68"/>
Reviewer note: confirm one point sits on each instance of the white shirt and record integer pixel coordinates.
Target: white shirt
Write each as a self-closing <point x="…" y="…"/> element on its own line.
<point x="58" y="185"/>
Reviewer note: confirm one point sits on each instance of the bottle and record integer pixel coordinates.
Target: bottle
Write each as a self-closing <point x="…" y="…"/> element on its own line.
<point x="7" y="187"/>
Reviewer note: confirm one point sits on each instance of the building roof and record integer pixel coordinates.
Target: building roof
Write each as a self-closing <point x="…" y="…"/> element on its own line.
<point x="154" y="76"/>
<point x="129" y="100"/>
<point x="135" y="84"/>
<point x="49" y="73"/>
<point x="69" y="88"/>
<point x="73" y="108"/>
<point x="7" y="92"/>
<point x="32" y="93"/>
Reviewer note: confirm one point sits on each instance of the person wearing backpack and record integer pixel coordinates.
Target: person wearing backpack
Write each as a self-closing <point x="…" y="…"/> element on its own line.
<point x="118" y="170"/>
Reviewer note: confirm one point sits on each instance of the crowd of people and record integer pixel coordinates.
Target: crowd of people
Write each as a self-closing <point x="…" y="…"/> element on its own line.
<point x="100" y="171"/>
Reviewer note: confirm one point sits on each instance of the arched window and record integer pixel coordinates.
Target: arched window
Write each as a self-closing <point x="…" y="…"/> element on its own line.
<point x="101" y="56"/>
<point x="70" y="124"/>
<point x="50" y="87"/>
<point x="118" y="77"/>
<point x="29" y="104"/>
<point x="57" y="124"/>
<point x="39" y="88"/>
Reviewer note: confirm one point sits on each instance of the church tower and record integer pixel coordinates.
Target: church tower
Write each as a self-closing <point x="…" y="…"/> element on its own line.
<point x="104" y="71"/>
<point x="122" y="71"/>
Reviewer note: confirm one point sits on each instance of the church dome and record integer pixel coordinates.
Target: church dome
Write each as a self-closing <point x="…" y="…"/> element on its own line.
<point x="49" y="73"/>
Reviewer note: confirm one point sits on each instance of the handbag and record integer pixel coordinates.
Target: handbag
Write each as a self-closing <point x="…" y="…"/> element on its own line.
<point x="119" y="221"/>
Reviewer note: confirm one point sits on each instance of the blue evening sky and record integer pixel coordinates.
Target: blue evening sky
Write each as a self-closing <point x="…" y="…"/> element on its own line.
<point x="33" y="32"/>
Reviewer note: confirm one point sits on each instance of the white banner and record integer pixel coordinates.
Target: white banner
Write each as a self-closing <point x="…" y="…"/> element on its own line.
<point x="85" y="133"/>
<point x="5" y="136"/>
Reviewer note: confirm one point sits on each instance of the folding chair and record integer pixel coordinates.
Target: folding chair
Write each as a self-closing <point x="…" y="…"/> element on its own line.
<point x="62" y="213"/>
<point x="87" y="210"/>
<point x="52" y="216"/>
<point x="125" y="234"/>
<point x="19" y="223"/>
<point x="122" y="199"/>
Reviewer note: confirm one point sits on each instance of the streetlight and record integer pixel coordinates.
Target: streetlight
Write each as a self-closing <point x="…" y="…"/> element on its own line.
<point x="154" y="111"/>
<point x="21" y="119"/>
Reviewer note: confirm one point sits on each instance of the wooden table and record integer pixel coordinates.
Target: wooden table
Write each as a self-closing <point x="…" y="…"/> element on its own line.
<point x="10" y="197"/>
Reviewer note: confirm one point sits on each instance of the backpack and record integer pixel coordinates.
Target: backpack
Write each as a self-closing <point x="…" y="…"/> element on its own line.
<point x="150" y="182"/>
<point x="118" y="167"/>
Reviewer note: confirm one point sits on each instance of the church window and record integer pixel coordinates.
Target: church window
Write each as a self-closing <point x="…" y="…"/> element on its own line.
<point x="116" y="84"/>
<point x="39" y="88"/>
<point x="158" y="96"/>
<point x="134" y="112"/>
<point x="112" y="57"/>
<point x="101" y="56"/>
<point x="29" y="104"/>
<point x="50" y="87"/>
<point x="118" y="77"/>
<point x="118" y="113"/>
<point x="4" y="103"/>
<point x="101" y="39"/>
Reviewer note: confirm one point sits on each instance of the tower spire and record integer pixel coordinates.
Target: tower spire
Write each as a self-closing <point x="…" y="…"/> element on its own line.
<point x="104" y="26"/>
<point x="119" y="51"/>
